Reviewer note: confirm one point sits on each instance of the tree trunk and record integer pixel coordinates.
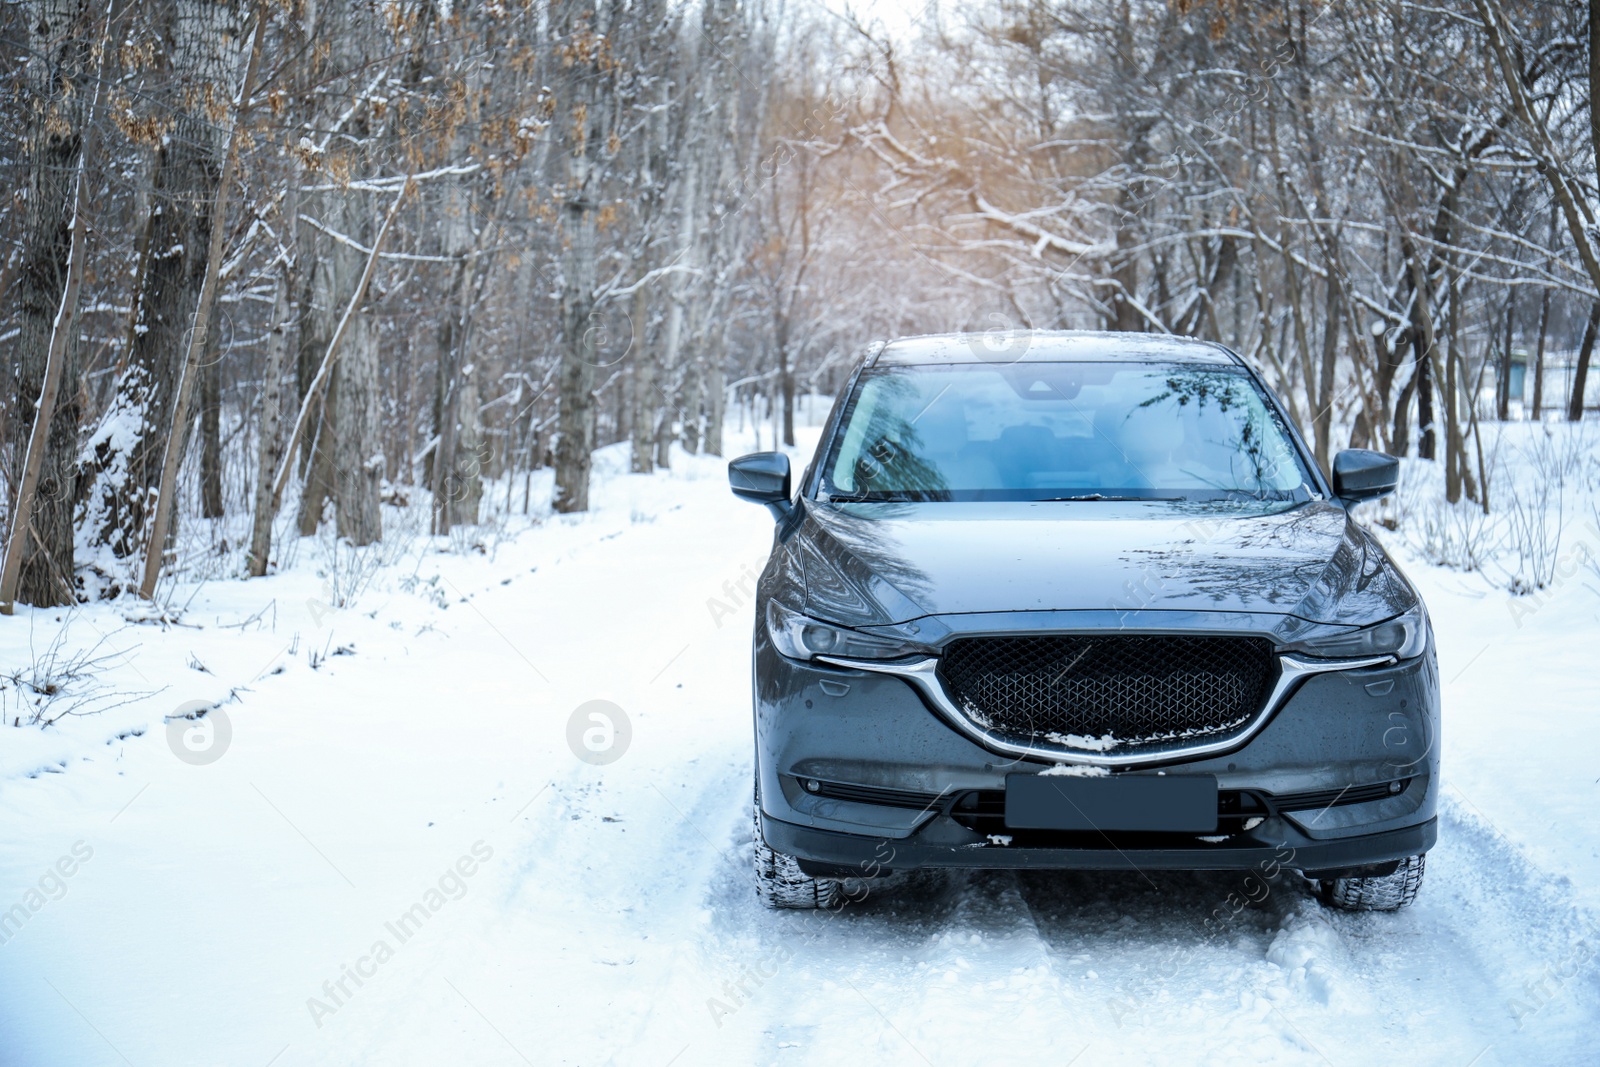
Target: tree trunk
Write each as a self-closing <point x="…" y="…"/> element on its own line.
<point x="1400" y="439"/>
<point x="1594" y="82"/>
<point x="1426" y="439"/>
<point x="319" y="393"/>
<point x="1580" y="376"/>
<point x="312" y="344"/>
<point x="211" y="427"/>
<point x="357" y="453"/>
<point x="716" y="392"/>
<point x="202" y="332"/>
<point x="689" y="397"/>
<point x="575" y="388"/>
<point x="56" y="87"/>
<point x="1467" y="422"/>
<point x="318" y="489"/>
<point x="1454" y="454"/>
<point x="575" y="419"/>
<point x="128" y="450"/>
<point x="270" y="431"/>
<point x="622" y="409"/>
<point x="671" y="333"/>
<point x="1502" y="382"/>
<point x="1537" y="370"/>
<point x="1327" y="376"/>
<point x="645" y="404"/>
<point x="457" y="494"/>
<point x="587" y="114"/>
<point x="783" y="385"/>
<point x="340" y="392"/>
<point x="1389" y="360"/>
<point x="786" y="388"/>
<point x="1372" y="420"/>
<point x="1423" y="342"/>
<point x="347" y="461"/>
<point x="1298" y="306"/>
<point x="471" y="457"/>
<point x="1124" y="316"/>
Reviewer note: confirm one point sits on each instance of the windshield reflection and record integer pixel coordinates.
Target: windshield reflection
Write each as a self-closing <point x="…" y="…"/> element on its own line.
<point x="1061" y="431"/>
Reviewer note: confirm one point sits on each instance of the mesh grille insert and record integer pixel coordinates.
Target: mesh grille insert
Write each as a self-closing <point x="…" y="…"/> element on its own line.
<point x="1139" y="689"/>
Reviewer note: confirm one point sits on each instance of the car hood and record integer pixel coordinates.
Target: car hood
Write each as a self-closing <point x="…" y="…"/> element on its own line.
<point x="877" y="564"/>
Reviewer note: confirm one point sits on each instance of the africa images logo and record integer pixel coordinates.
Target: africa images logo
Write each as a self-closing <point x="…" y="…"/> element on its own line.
<point x="199" y="732"/>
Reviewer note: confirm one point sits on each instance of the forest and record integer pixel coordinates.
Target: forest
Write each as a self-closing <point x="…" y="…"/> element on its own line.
<point x="271" y="266"/>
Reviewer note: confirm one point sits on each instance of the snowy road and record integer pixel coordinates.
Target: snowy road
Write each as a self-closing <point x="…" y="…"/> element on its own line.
<point x="261" y="909"/>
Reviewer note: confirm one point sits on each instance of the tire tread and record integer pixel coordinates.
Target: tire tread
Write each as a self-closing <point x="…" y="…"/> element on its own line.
<point x="1389" y="892"/>
<point x="781" y="884"/>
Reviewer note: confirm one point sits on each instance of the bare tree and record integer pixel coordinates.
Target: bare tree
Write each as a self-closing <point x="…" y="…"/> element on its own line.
<point x="126" y="451"/>
<point x="172" y="453"/>
<point x="63" y="125"/>
<point x="587" y="123"/>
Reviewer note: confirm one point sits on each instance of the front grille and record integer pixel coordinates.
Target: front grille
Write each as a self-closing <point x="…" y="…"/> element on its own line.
<point x="1077" y="690"/>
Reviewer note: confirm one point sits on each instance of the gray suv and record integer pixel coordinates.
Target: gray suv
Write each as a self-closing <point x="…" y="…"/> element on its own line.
<point x="1074" y="600"/>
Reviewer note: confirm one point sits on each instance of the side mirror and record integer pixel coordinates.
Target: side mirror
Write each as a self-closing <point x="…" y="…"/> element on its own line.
<point x="1360" y="474"/>
<point x="762" y="477"/>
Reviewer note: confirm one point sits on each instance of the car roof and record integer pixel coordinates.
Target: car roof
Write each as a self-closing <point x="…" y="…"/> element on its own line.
<point x="1050" y="346"/>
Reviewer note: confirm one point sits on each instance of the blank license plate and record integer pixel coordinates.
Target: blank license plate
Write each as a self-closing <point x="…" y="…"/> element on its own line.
<point x="1175" y="803"/>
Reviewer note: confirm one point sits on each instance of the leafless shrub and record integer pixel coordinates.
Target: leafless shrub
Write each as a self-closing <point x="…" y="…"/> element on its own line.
<point x="1541" y="475"/>
<point x="1453" y="535"/>
<point x="1535" y="509"/>
<point x="350" y="570"/>
<point x="61" y="680"/>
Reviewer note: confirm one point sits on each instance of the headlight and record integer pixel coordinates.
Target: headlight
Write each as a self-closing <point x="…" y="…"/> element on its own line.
<point x="1403" y="636"/>
<point x="802" y="637"/>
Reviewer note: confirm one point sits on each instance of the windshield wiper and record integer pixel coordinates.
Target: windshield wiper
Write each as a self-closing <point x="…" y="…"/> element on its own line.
<point x="1102" y="496"/>
<point x="874" y="498"/>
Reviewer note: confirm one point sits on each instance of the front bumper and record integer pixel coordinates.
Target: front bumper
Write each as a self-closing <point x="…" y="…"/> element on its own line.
<point x="1344" y="730"/>
<point x="825" y="853"/>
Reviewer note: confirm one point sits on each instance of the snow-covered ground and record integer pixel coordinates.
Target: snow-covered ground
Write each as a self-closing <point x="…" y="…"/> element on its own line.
<point x="400" y="857"/>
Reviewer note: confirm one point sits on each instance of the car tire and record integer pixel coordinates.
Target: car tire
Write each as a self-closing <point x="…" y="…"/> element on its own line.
<point x="1389" y="892"/>
<point x="781" y="884"/>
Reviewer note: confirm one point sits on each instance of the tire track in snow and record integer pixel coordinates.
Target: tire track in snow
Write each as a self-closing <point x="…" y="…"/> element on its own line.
<point x="894" y="975"/>
<point x="988" y="962"/>
<point x="1167" y="964"/>
<point x="800" y="978"/>
<point x="672" y="1019"/>
<point x="1495" y="942"/>
<point x="595" y="935"/>
<point x="937" y="957"/>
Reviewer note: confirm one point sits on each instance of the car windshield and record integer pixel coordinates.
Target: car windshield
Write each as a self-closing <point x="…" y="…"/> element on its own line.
<point x="1061" y="431"/>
